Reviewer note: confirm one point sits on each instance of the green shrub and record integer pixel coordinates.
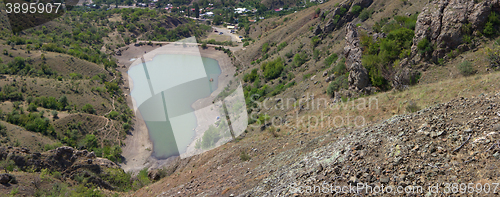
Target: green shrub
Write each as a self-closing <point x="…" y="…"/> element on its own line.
<point x="466" y="68"/>
<point x="338" y="83"/>
<point x="265" y="47"/>
<point x="282" y="45"/>
<point x="343" y="11"/>
<point x="412" y="107"/>
<point x="8" y="165"/>
<point x="272" y="69"/>
<point x="250" y="77"/>
<point x="210" y="137"/>
<point x="54" y="113"/>
<point x="299" y="59"/>
<point x="113" y="114"/>
<point x="489" y="30"/>
<point x="56" y="174"/>
<point x="32" y="107"/>
<point x="88" y="108"/>
<point x="330" y="59"/>
<point x="315" y="41"/>
<point x="118" y="178"/>
<point x="356" y="9"/>
<point x="3" y="130"/>
<point x="340" y="68"/>
<point x="467" y="39"/>
<point x="244" y="156"/>
<point x="365" y="14"/>
<point x="316" y="54"/>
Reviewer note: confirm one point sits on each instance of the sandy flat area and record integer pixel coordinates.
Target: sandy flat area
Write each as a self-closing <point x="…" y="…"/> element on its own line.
<point x="138" y="147"/>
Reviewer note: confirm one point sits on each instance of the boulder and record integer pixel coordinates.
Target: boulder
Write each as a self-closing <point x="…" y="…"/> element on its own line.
<point x="91" y="155"/>
<point x="329" y="27"/>
<point x="6" y="178"/>
<point x="64" y="151"/>
<point x="317" y="30"/>
<point x="154" y="175"/>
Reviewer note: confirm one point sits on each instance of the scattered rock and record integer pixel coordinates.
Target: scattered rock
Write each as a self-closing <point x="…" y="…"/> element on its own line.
<point x="6" y="178"/>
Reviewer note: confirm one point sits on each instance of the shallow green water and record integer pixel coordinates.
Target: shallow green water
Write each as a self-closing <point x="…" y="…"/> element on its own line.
<point x="164" y="89"/>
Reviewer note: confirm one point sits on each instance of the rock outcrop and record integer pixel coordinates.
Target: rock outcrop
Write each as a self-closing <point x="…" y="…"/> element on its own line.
<point x="358" y="76"/>
<point x="342" y="14"/>
<point x="70" y="162"/>
<point x="445" y="23"/>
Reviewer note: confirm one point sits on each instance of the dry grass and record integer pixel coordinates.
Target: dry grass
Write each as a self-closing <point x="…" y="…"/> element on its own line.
<point x="219" y="38"/>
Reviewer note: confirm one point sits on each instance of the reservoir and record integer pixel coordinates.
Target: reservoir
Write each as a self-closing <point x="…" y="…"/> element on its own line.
<point x="164" y="90"/>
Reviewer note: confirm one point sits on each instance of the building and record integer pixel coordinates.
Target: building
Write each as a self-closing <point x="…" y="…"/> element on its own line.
<point x="240" y="10"/>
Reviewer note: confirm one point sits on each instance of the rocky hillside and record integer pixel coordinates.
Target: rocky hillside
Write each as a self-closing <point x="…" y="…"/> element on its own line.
<point x="453" y="142"/>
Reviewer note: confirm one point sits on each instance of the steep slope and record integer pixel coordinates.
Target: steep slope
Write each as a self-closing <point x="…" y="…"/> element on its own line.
<point x="277" y="161"/>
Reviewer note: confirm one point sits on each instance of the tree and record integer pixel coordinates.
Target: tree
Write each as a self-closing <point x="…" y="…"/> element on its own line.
<point x="218" y="20"/>
<point x="88" y="108"/>
<point x="54" y="114"/>
<point x="204" y="46"/>
<point x="489" y="30"/>
<point x="196" y="10"/>
<point x="63" y="101"/>
<point x="32" y="107"/>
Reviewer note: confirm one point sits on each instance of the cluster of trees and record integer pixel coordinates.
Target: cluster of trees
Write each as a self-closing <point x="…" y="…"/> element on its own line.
<point x="32" y="121"/>
<point x="381" y="57"/>
<point x="48" y="102"/>
<point x="181" y="31"/>
<point x="11" y="92"/>
<point x="21" y="66"/>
